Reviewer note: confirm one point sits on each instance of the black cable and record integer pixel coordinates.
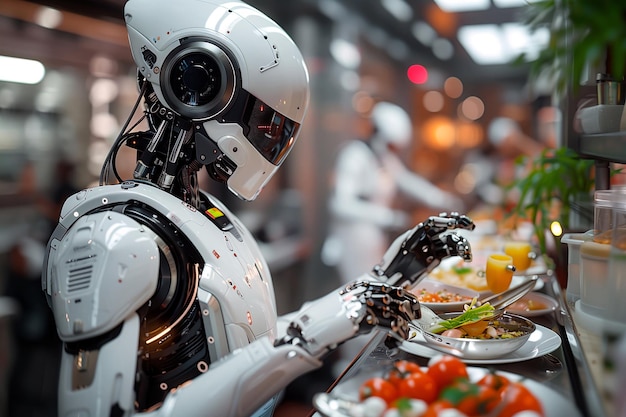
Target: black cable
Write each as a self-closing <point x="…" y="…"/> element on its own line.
<point x="118" y="146"/>
<point x="106" y="165"/>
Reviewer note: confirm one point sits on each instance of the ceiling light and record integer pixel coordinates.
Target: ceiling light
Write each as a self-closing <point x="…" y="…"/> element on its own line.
<point x="19" y="70"/>
<point x="462" y="5"/>
<point x="521" y="40"/>
<point x="493" y="44"/>
<point x="48" y="17"/>
<point x="398" y="9"/>
<point x="483" y="43"/>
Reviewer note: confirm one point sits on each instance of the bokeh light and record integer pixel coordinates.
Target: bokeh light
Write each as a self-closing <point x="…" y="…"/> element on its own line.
<point x="417" y="74"/>
<point x="468" y="134"/>
<point x="453" y="87"/>
<point x="439" y="132"/>
<point x="472" y="108"/>
<point x="433" y="101"/>
<point x="362" y="102"/>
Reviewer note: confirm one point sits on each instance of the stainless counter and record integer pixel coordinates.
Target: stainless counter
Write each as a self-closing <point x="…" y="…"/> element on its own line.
<point x="566" y="370"/>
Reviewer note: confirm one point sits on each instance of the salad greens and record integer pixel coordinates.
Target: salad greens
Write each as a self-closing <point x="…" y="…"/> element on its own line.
<point x="471" y="315"/>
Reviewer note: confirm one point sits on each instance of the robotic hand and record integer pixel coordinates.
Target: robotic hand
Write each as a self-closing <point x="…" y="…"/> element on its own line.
<point x="356" y="309"/>
<point x="419" y="250"/>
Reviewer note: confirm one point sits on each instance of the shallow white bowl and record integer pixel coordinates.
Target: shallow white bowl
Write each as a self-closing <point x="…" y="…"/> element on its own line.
<point x="434" y="286"/>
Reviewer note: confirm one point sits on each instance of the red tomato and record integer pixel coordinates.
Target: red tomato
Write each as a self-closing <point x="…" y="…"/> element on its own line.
<point x="462" y="394"/>
<point x="470" y="398"/>
<point x="435" y="407"/>
<point x="494" y="381"/>
<point x="446" y="369"/>
<point x="419" y="386"/>
<point x="516" y="397"/>
<point x="401" y="369"/>
<point x="378" y="387"/>
<point x="479" y="403"/>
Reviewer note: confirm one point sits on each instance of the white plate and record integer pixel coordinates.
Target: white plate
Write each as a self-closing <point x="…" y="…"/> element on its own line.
<point x="434" y="286"/>
<point x="550" y="303"/>
<point x="541" y="342"/>
<point x="553" y="403"/>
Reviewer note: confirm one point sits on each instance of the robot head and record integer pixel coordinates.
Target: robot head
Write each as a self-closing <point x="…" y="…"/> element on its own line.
<point x="223" y="84"/>
<point x="392" y="125"/>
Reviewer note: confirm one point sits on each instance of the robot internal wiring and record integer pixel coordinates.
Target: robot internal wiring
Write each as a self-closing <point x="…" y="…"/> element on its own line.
<point x="161" y="296"/>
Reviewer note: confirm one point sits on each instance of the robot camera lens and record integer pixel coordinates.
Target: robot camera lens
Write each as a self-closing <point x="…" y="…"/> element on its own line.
<point x="198" y="79"/>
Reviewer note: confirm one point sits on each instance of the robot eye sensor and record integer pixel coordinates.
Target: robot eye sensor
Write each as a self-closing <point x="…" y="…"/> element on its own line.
<point x="198" y="79"/>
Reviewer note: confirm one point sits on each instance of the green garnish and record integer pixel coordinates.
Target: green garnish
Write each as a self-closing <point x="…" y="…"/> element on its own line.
<point x="471" y="315"/>
<point x="462" y="270"/>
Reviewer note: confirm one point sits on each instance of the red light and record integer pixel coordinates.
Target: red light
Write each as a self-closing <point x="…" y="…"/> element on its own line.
<point x="417" y="74"/>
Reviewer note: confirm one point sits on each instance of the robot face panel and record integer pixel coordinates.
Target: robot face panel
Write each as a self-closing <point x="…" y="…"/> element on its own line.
<point x="255" y="139"/>
<point x="271" y="133"/>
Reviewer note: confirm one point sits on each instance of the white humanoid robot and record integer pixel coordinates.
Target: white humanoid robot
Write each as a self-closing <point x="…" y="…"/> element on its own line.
<point x="160" y="295"/>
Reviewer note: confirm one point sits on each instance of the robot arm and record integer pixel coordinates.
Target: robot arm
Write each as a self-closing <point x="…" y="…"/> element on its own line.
<point x="322" y="325"/>
<point x="251" y="375"/>
<point x="240" y="384"/>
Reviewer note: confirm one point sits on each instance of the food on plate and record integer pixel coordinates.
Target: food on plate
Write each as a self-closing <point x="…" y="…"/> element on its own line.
<point x="445" y="384"/>
<point x="528" y="305"/>
<point x="440" y="296"/>
<point x="484" y="330"/>
<point x="472" y="314"/>
<point x="478" y="323"/>
<point x="500" y="336"/>
<point x="461" y="275"/>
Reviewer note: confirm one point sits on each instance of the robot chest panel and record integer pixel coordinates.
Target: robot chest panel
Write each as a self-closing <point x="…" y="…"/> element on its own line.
<point x="236" y="277"/>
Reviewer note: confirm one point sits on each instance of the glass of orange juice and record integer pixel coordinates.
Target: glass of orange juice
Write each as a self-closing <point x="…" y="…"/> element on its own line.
<point x="521" y="252"/>
<point x="499" y="272"/>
